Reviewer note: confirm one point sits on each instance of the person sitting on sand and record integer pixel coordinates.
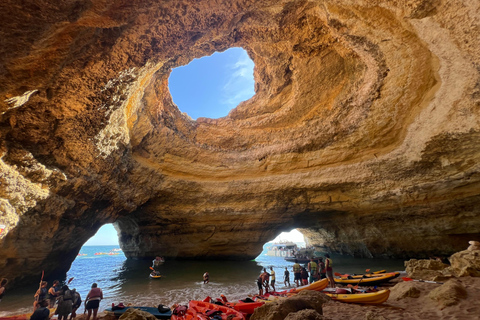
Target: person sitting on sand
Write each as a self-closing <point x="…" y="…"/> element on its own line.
<point x="2" y="287"/>
<point x="42" y="312"/>
<point x="286" y="277"/>
<point x="206" y="278"/>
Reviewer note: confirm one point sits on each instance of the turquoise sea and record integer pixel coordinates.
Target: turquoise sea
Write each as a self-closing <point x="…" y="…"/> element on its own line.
<point x="128" y="281"/>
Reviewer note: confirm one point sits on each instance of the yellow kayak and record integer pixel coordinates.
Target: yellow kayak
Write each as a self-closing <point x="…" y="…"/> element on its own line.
<point x="316" y="286"/>
<point x="368" y="280"/>
<point x="363" y="298"/>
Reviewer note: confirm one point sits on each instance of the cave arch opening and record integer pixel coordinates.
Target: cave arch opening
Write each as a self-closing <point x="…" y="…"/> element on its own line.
<point x="213" y="85"/>
<point x="286" y="244"/>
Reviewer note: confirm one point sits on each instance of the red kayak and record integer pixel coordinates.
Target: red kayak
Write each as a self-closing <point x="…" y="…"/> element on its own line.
<point x="246" y="306"/>
<point x="200" y="310"/>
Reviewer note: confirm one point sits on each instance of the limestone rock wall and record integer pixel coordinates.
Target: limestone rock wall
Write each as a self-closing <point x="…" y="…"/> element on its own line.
<point x="363" y="131"/>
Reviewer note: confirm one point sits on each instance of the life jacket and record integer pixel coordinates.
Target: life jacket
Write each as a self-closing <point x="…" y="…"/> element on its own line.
<point x="297" y="268"/>
<point x="313" y="267"/>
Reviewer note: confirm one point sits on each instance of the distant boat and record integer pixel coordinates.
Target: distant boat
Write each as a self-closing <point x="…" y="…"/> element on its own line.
<point x="282" y="249"/>
<point x="82" y="254"/>
<point x="302" y="255"/>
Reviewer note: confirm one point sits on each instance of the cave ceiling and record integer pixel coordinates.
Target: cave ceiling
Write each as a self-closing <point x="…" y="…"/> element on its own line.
<point x="363" y="131"/>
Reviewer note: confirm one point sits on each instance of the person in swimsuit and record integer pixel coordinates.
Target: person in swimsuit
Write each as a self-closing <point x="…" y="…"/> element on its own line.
<point x="206" y="278"/>
<point x="272" y="279"/>
<point x="40" y="295"/>
<point x="329" y="270"/>
<point x="297" y="273"/>
<point x="260" y="285"/>
<point x="286" y="277"/>
<point x="93" y="301"/>
<point x="53" y="293"/>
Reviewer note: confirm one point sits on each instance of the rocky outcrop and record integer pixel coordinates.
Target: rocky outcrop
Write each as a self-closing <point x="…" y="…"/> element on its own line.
<point x="293" y="307"/>
<point x="462" y="264"/>
<point x="448" y="294"/>
<point x="363" y="131"/>
<point x="465" y="263"/>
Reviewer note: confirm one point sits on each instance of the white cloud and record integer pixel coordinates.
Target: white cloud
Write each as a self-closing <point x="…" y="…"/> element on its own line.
<point x="240" y="85"/>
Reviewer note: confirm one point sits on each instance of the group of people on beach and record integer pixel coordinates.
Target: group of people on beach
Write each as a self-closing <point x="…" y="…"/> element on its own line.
<point x="315" y="270"/>
<point x="66" y="300"/>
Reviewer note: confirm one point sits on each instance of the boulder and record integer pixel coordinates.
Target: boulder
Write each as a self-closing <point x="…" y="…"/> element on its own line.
<point x="305" y="314"/>
<point x="135" y="314"/>
<point x="404" y="290"/>
<point x="427" y="269"/>
<point x="279" y="310"/>
<point x="466" y="263"/>
<point x="449" y="293"/>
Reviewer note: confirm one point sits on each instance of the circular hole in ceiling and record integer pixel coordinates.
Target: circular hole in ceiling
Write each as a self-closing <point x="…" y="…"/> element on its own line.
<point x="213" y="85"/>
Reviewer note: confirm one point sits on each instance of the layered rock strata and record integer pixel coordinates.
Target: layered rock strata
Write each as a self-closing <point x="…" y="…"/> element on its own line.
<point x="363" y="132"/>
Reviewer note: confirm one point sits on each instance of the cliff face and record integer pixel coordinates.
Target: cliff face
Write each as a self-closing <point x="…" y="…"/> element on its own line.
<point x="363" y="132"/>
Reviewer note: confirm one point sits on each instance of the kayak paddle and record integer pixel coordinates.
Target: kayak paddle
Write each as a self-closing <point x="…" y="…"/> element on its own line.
<point x="427" y="281"/>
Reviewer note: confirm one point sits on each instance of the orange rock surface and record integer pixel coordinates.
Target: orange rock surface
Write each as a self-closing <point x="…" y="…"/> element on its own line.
<point x="363" y="132"/>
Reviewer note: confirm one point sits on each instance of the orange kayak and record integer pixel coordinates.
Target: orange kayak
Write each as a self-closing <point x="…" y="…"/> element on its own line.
<point x="200" y="310"/>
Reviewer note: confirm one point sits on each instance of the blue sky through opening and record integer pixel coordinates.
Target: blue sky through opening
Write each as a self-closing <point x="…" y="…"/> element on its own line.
<point x="212" y="86"/>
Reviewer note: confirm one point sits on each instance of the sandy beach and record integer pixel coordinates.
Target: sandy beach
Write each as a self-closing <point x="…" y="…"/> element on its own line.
<point x="408" y="300"/>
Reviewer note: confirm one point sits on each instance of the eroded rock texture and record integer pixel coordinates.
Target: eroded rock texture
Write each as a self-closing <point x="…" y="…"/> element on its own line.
<point x="363" y="132"/>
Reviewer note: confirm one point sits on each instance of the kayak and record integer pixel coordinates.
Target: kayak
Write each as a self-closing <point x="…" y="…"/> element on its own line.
<point x="151" y="310"/>
<point x="245" y="307"/>
<point x="25" y="316"/>
<point x="377" y="297"/>
<point x="359" y="275"/>
<point x="367" y="280"/>
<point x="272" y="296"/>
<point x="155" y="277"/>
<point x="206" y="310"/>
<point x="316" y="286"/>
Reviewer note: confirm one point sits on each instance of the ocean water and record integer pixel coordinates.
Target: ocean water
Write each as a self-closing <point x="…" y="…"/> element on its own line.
<point x="128" y="281"/>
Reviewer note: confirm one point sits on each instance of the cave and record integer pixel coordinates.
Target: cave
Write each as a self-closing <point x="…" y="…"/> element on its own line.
<point x="363" y="132"/>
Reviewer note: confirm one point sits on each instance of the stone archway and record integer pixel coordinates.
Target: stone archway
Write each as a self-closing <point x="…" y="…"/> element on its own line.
<point x="362" y="133"/>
